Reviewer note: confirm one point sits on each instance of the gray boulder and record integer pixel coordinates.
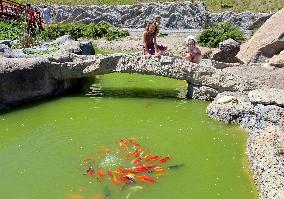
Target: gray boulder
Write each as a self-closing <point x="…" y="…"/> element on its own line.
<point x="269" y="96"/>
<point x="227" y="52"/>
<point x="5" y="51"/>
<point x="6" y="42"/>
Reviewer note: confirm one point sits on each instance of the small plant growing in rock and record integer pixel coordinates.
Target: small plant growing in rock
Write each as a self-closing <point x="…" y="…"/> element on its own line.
<point x="213" y="35"/>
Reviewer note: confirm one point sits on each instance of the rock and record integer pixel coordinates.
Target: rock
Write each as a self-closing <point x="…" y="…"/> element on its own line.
<point x="181" y="15"/>
<point x="6" y="42"/>
<point x="267" y="96"/>
<point x="5" y="51"/>
<point x="227" y="99"/>
<point x="266" y="42"/>
<point x="62" y="39"/>
<point x="277" y="60"/>
<point x="87" y="48"/>
<point x="227" y="52"/>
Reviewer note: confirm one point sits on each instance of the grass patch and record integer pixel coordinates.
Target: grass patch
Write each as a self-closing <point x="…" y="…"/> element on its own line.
<point x="213" y="5"/>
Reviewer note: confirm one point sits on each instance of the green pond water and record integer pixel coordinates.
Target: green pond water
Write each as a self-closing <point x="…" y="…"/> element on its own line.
<point x="42" y="146"/>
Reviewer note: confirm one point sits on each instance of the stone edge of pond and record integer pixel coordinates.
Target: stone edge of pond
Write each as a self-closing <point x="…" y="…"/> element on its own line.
<point x="261" y="113"/>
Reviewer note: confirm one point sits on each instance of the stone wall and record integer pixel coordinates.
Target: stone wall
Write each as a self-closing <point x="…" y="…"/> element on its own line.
<point x="184" y="15"/>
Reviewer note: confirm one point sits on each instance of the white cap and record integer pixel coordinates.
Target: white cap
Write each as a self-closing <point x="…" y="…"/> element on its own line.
<point x="190" y="37"/>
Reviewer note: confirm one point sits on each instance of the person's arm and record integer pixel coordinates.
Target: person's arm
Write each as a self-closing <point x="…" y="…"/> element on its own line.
<point x="145" y="42"/>
<point x="198" y="51"/>
<point x="155" y="43"/>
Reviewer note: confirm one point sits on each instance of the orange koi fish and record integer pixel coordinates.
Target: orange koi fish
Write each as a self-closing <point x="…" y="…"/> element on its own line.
<point x="123" y="143"/>
<point x="146" y="179"/>
<point x="143" y="168"/>
<point x="129" y="155"/>
<point x="150" y="158"/>
<point x="138" y="152"/>
<point x="100" y="174"/>
<point x="160" y="174"/>
<point x="115" y="180"/>
<point x="136" y="161"/>
<point x="165" y="159"/>
<point x="87" y="159"/>
<point x="133" y="143"/>
<point x="91" y="172"/>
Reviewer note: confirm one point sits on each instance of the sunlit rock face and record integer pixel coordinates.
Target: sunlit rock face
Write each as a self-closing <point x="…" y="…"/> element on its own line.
<point x="180" y="15"/>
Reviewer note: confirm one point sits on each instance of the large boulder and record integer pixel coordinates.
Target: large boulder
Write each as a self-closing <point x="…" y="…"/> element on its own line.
<point x="266" y="42"/>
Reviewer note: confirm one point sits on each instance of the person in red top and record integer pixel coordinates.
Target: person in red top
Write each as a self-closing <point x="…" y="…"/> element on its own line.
<point x="31" y="20"/>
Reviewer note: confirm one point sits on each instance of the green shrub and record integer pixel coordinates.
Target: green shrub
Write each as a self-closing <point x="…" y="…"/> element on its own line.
<point x="9" y="30"/>
<point x="213" y="35"/>
<point x="78" y="30"/>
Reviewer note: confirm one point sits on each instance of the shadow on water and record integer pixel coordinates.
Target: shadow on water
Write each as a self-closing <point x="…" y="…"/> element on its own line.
<point x="134" y="86"/>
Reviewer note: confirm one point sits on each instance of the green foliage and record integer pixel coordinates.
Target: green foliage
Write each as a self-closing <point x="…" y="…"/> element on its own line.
<point x="78" y="30"/>
<point x="9" y="30"/>
<point x="213" y="35"/>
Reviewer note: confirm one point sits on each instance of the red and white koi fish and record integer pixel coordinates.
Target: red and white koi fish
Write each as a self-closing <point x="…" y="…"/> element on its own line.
<point x="91" y="172"/>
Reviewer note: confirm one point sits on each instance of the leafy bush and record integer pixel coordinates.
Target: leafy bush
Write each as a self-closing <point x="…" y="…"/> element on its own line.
<point x="9" y="30"/>
<point x="78" y="30"/>
<point x="213" y="35"/>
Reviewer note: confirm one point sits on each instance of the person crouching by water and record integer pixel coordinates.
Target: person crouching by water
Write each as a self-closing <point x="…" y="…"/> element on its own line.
<point x="192" y="52"/>
<point x="150" y="46"/>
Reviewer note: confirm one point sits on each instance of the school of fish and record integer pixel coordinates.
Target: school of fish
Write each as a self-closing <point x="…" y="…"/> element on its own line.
<point x="134" y="165"/>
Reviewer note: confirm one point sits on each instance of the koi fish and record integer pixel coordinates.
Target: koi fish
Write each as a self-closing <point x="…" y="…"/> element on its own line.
<point x="146" y="179"/>
<point x="100" y="174"/>
<point x="165" y="159"/>
<point x="129" y="155"/>
<point x="143" y="168"/>
<point x="160" y="174"/>
<point x="138" y="152"/>
<point x="91" y="172"/>
<point x="136" y="161"/>
<point x="158" y="169"/>
<point x="133" y="143"/>
<point x="115" y="180"/>
<point x="123" y="143"/>
<point x="87" y="159"/>
<point x="128" y="178"/>
<point x="109" y="173"/>
<point x="150" y="158"/>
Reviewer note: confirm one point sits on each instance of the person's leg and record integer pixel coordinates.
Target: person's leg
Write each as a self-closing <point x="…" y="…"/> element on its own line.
<point x="188" y="57"/>
<point x="196" y="59"/>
